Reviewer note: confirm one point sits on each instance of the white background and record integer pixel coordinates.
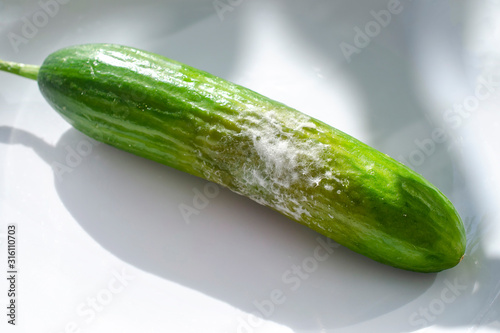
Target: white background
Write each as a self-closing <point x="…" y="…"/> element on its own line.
<point x="104" y="247"/>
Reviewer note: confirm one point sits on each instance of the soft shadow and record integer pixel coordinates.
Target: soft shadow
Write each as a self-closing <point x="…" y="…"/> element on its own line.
<point x="238" y="251"/>
<point x="386" y="73"/>
<point x="235" y="250"/>
<point x="185" y="30"/>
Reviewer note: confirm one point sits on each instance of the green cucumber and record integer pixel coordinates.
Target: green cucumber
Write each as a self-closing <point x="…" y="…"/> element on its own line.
<point x="310" y="172"/>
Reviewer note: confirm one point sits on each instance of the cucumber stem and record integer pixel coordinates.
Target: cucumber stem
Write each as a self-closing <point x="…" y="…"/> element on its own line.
<point x="27" y="71"/>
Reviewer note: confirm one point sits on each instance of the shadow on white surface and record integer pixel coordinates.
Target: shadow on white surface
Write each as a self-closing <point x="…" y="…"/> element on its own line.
<point x="235" y="250"/>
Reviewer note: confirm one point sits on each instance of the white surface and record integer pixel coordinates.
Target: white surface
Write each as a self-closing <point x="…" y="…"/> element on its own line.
<point x="106" y="248"/>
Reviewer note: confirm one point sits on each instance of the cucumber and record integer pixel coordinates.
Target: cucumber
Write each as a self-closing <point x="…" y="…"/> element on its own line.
<point x="305" y="169"/>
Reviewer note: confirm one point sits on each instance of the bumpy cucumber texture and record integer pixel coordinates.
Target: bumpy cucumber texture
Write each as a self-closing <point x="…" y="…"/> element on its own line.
<point x="312" y="173"/>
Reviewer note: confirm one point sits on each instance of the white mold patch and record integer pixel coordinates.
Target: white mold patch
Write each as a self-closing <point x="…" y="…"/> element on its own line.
<point x="282" y="162"/>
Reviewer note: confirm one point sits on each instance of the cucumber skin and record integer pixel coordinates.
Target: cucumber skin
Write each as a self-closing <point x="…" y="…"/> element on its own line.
<point x="312" y="173"/>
